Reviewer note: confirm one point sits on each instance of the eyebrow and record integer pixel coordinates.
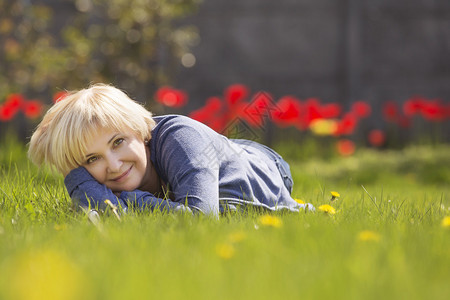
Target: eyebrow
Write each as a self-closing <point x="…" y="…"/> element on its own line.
<point x="109" y="142"/>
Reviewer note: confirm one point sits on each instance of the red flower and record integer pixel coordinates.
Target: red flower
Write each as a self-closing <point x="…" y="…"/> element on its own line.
<point x="377" y="137"/>
<point x="171" y="97"/>
<point x="288" y="111"/>
<point x="235" y="93"/>
<point x="391" y="111"/>
<point x="32" y="109"/>
<point x="211" y="114"/>
<point x="312" y="111"/>
<point x="361" y="109"/>
<point x="204" y="114"/>
<point x="347" y="124"/>
<point x="260" y="107"/>
<point x="345" y="147"/>
<point x="6" y="113"/>
<point x="14" y="101"/>
<point x="413" y="106"/>
<point x="59" y="96"/>
<point x="433" y="110"/>
<point x="11" y="106"/>
<point x="330" y="111"/>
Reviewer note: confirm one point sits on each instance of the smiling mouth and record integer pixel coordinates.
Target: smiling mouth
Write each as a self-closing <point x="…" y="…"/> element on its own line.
<point x="123" y="175"/>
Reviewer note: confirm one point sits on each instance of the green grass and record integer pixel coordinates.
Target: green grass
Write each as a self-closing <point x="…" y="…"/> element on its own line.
<point x="47" y="251"/>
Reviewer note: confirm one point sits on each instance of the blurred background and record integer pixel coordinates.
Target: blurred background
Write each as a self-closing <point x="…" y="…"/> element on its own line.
<point x="347" y="73"/>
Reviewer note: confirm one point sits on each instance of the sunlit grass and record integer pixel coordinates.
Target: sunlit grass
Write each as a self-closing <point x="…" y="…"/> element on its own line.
<point x="388" y="238"/>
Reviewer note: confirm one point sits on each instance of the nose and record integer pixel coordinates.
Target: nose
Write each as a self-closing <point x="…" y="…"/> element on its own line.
<point x="114" y="163"/>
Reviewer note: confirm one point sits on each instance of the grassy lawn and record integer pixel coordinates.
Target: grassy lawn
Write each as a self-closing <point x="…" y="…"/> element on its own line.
<point x="386" y="239"/>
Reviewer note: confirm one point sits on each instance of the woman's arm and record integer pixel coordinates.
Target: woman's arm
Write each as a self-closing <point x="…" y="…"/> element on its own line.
<point x="86" y="192"/>
<point x="186" y="154"/>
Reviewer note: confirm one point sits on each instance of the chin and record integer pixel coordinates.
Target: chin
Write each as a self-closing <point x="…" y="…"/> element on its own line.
<point x="126" y="188"/>
<point x="129" y="187"/>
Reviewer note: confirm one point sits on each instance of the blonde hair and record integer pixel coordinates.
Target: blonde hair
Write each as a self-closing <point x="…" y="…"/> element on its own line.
<point x="61" y="139"/>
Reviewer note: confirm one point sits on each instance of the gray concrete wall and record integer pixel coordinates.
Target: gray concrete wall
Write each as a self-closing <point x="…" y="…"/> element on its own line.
<point x="337" y="50"/>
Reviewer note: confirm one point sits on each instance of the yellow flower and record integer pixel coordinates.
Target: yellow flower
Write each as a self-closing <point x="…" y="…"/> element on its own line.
<point x="268" y="220"/>
<point x="237" y="237"/>
<point x="327" y="209"/>
<point x="323" y="126"/>
<point x="299" y="201"/>
<point x="45" y="274"/>
<point x="225" y="251"/>
<point x="369" y="235"/>
<point x="446" y="222"/>
<point x="114" y="208"/>
<point x="334" y="195"/>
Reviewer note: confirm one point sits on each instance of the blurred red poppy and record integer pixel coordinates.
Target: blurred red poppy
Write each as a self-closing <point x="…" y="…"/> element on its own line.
<point x="288" y="110"/>
<point x="6" y="113"/>
<point x="330" y="111"/>
<point x="14" y="101"/>
<point x="260" y="107"/>
<point x="413" y="106"/>
<point x="59" y="96"/>
<point x="171" y="97"/>
<point x="211" y="114"/>
<point x="212" y="106"/>
<point x="236" y="93"/>
<point x="347" y="124"/>
<point x="390" y="111"/>
<point x="377" y="137"/>
<point x="433" y="110"/>
<point x="361" y="109"/>
<point x="345" y="147"/>
<point x="312" y="107"/>
<point x="11" y="107"/>
<point x="32" y="109"/>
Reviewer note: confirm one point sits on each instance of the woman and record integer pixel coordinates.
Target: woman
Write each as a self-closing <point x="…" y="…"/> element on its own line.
<point x="110" y="147"/>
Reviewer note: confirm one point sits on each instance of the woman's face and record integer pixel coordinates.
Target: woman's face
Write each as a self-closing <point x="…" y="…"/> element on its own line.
<point x="118" y="160"/>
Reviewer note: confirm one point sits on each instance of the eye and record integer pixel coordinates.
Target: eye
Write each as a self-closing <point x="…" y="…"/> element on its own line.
<point x="91" y="159"/>
<point x="118" y="142"/>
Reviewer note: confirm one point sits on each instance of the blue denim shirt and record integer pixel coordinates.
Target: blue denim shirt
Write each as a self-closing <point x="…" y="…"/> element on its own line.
<point x="204" y="170"/>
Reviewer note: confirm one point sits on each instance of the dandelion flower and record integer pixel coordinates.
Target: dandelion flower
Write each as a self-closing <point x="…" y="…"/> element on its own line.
<point x="369" y="235"/>
<point x="323" y="126"/>
<point x="446" y="222"/>
<point x="327" y="209"/>
<point x="299" y="201"/>
<point x="45" y="274"/>
<point x="334" y="195"/>
<point x="114" y="208"/>
<point x="268" y="220"/>
<point x="225" y="251"/>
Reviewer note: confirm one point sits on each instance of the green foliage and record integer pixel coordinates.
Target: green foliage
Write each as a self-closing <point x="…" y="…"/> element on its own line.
<point x="416" y="165"/>
<point x="130" y="43"/>
<point x="47" y="249"/>
<point x="12" y="151"/>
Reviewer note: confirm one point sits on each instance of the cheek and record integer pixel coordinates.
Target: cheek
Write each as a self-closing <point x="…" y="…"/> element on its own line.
<point x="140" y="154"/>
<point x="97" y="171"/>
<point x="141" y="164"/>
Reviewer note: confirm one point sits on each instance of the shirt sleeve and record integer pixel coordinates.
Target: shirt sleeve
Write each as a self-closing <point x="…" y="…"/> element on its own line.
<point x="86" y="192"/>
<point x="187" y="157"/>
